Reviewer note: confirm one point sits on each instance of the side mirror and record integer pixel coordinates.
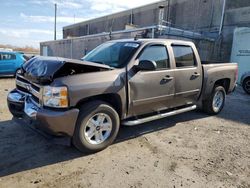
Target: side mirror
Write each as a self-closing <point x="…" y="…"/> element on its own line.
<point x="147" y="65"/>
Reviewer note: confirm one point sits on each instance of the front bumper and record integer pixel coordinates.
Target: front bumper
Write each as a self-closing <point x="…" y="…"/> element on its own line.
<point x="51" y="121"/>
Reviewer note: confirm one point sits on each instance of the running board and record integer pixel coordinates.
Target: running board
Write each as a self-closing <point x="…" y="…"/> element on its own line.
<point x="158" y="116"/>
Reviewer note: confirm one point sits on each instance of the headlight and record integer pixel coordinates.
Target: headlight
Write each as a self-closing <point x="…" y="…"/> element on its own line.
<point x="55" y="97"/>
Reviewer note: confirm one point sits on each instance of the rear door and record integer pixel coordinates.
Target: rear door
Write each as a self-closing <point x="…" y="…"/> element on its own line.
<point x="151" y="91"/>
<point x="7" y="63"/>
<point x="188" y="74"/>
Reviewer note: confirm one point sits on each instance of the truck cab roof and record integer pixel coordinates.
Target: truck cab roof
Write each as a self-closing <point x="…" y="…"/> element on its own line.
<point x="148" y="40"/>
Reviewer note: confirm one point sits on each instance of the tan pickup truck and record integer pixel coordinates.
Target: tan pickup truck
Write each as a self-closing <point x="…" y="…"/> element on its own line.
<point x="122" y="82"/>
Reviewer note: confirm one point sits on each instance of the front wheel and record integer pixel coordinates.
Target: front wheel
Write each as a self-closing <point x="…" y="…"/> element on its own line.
<point x="246" y="85"/>
<point x="215" y="102"/>
<point x="96" y="128"/>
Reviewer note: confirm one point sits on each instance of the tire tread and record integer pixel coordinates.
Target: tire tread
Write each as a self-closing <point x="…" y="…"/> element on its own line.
<point x="207" y="104"/>
<point x="85" y="110"/>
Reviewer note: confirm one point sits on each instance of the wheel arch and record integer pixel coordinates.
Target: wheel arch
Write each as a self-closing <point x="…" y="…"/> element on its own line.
<point x="111" y="98"/>
<point x="225" y="82"/>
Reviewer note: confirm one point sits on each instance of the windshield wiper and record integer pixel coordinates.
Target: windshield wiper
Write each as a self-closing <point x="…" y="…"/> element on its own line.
<point x="100" y="62"/>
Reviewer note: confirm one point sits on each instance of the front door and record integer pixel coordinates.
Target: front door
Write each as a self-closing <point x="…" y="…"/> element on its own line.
<point x="151" y="91"/>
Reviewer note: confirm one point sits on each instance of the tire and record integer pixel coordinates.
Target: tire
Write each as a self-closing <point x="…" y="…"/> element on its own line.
<point x="215" y="102"/>
<point x="246" y="85"/>
<point x="16" y="109"/>
<point x="16" y="114"/>
<point x="91" y="137"/>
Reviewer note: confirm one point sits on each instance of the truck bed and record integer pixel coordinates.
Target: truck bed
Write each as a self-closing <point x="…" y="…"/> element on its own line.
<point x="214" y="72"/>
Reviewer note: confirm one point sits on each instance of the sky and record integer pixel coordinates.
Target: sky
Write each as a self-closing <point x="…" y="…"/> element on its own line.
<point x="29" y="22"/>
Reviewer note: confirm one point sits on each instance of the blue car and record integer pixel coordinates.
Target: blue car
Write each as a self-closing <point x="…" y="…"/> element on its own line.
<point x="10" y="62"/>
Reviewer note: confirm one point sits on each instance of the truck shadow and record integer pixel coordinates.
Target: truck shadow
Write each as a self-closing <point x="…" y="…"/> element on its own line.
<point x="127" y="133"/>
<point x="21" y="149"/>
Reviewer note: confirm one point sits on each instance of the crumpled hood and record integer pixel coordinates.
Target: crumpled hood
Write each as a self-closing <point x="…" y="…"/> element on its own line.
<point x="43" y="69"/>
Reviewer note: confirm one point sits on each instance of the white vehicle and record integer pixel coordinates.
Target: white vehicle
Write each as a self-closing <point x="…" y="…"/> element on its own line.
<point x="241" y="54"/>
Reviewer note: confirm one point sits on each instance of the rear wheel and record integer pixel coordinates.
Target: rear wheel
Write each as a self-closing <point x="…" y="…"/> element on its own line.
<point x="246" y="85"/>
<point x="96" y="128"/>
<point x="215" y="103"/>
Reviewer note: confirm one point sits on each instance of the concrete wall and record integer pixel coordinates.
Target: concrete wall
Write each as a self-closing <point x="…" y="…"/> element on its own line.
<point x="234" y="17"/>
<point x="143" y="16"/>
<point x="186" y="14"/>
<point x="77" y="47"/>
<point x="202" y="16"/>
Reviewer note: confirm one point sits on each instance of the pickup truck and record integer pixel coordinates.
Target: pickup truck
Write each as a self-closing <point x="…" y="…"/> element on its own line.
<point x="121" y="82"/>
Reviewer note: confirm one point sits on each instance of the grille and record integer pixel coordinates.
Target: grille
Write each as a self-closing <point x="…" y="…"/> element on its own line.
<point x="32" y="89"/>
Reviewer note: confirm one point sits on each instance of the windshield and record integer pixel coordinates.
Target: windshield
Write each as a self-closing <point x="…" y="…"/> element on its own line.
<point x="114" y="54"/>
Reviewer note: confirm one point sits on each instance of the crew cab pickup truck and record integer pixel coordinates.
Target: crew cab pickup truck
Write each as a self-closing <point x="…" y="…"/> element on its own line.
<point x="122" y="82"/>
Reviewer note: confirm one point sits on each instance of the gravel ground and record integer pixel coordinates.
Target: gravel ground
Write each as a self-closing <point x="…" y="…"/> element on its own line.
<point x="188" y="150"/>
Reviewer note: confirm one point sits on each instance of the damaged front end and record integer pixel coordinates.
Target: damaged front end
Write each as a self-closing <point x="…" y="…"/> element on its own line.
<point x="38" y="99"/>
<point x="42" y="70"/>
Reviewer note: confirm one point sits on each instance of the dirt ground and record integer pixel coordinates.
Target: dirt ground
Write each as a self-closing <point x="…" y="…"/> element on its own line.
<point x="188" y="150"/>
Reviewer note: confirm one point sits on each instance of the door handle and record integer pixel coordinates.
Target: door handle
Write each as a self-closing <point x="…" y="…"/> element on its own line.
<point x="168" y="78"/>
<point x="196" y="74"/>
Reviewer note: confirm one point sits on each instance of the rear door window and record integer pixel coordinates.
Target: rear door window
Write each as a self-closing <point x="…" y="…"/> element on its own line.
<point x="184" y="56"/>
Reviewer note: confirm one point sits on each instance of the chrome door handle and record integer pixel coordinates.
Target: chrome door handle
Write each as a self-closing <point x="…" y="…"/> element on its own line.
<point x="196" y="74"/>
<point x="168" y="78"/>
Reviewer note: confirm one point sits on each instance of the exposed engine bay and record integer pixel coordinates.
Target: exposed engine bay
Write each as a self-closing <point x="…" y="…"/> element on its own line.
<point x="43" y="70"/>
